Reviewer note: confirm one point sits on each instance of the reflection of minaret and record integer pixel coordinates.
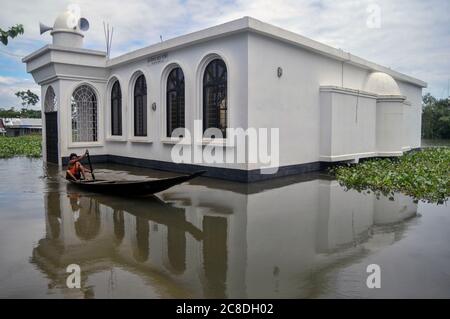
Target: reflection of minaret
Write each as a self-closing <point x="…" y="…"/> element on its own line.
<point x="142" y="239"/>
<point x="176" y="248"/>
<point x="215" y="255"/>
<point x="50" y="253"/>
<point x="52" y="202"/>
<point x="53" y="211"/>
<point x="119" y="225"/>
<point x="97" y="232"/>
<point x="87" y="226"/>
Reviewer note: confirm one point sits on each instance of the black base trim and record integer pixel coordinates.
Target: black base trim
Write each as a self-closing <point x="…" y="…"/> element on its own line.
<point x="232" y="174"/>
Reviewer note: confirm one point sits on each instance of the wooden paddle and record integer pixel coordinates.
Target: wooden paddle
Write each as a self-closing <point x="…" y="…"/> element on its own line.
<point x="90" y="164"/>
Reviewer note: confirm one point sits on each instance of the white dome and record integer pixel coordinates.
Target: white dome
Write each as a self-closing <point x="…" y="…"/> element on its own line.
<point x="382" y="84"/>
<point x="66" y="31"/>
<point x="66" y="21"/>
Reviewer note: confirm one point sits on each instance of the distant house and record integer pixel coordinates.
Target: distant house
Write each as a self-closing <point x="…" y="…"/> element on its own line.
<point x="19" y="127"/>
<point x="2" y="128"/>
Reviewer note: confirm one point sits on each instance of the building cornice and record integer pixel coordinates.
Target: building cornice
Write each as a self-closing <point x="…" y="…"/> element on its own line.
<point x="50" y="47"/>
<point x="338" y="89"/>
<point x="55" y="77"/>
<point x="248" y="24"/>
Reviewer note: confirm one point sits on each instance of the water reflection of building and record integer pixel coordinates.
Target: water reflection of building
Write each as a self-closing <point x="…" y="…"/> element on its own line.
<point x="209" y="242"/>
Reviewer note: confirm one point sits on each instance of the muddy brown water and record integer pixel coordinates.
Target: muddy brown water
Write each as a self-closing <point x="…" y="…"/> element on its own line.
<point x="296" y="237"/>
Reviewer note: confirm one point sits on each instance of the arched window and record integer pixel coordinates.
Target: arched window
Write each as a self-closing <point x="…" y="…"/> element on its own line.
<point x="84" y="114"/>
<point x="140" y="106"/>
<point x="50" y="100"/>
<point x="215" y="96"/>
<point x="116" y="109"/>
<point x="175" y="100"/>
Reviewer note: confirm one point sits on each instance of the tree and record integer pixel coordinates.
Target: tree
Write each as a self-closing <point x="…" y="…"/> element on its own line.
<point x="435" y="117"/>
<point x="12" y="32"/>
<point x="28" y="98"/>
<point x="23" y="113"/>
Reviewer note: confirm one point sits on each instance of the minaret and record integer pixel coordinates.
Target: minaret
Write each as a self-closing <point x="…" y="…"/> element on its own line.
<point x="60" y="68"/>
<point x="67" y="30"/>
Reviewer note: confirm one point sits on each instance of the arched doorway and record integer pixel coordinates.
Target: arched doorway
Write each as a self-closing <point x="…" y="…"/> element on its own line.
<point x="51" y="126"/>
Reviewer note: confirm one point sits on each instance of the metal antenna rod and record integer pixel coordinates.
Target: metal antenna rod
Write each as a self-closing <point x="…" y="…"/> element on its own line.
<point x="110" y="40"/>
<point x="108" y="32"/>
<point x="106" y="38"/>
<point x="107" y="48"/>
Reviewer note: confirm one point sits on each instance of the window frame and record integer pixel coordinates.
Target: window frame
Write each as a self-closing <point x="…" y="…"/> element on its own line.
<point x="119" y="98"/>
<point x="97" y="118"/>
<point x="144" y="101"/>
<point x="108" y="114"/>
<point x="208" y="61"/>
<point x="168" y="127"/>
<point x="130" y="108"/>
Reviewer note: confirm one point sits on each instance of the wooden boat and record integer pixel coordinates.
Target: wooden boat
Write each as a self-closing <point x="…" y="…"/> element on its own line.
<point x="132" y="188"/>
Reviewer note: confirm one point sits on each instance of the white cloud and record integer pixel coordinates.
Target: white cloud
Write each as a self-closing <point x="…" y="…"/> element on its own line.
<point x="8" y="80"/>
<point x="9" y="86"/>
<point x="414" y="36"/>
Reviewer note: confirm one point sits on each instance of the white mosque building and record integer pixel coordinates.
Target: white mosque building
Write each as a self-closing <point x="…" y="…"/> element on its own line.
<point x="328" y="105"/>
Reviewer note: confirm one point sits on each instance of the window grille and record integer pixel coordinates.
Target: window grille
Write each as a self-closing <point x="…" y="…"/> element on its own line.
<point x="116" y="109"/>
<point x="215" y="96"/>
<point x="175" y="100"/>
<point x="84" y="115"/>
<point x="140" y="107"/>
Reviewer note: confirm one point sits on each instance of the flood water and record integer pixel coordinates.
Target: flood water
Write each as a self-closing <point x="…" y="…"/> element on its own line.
<point x="296" y="237"/>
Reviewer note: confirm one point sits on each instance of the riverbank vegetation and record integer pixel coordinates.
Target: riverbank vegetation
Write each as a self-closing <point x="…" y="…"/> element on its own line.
<point x="23" y="113"/>
<point x="435" y="118"/>
<point x="423" y="175"/>
<point x="27" y="145"/>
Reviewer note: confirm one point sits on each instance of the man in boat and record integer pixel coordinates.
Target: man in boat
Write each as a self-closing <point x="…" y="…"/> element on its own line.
<point x="76" y="171"/>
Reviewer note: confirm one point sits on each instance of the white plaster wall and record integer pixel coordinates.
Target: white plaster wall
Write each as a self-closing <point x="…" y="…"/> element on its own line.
<point x="289" y="103"/>
<point x="325" y="123"/>
<point x="292" y="103"/>
<point x="232" y="49"/>
<point x="353" y="77"/>
<point x="347" y="123"/>
<point x="414" y="122"/>
<point x="390" y="127"/>
<point x="353" y="127"/>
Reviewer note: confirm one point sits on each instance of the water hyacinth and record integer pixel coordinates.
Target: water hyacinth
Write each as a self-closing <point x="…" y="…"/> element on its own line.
<point x="27" y="145"/>
<point x="423" y="175"/>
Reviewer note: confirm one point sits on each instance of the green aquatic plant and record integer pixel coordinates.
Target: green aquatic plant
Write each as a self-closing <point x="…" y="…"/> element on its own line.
<point x="27" y="145"/>
<point x="423" y="175"/>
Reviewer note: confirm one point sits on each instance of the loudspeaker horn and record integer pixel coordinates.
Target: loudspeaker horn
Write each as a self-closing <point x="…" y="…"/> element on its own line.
<point x="84" y="24"/>
<point x="44" y="28"/>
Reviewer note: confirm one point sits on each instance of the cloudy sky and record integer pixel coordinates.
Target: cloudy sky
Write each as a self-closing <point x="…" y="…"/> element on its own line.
<point x="413" y="36"/>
